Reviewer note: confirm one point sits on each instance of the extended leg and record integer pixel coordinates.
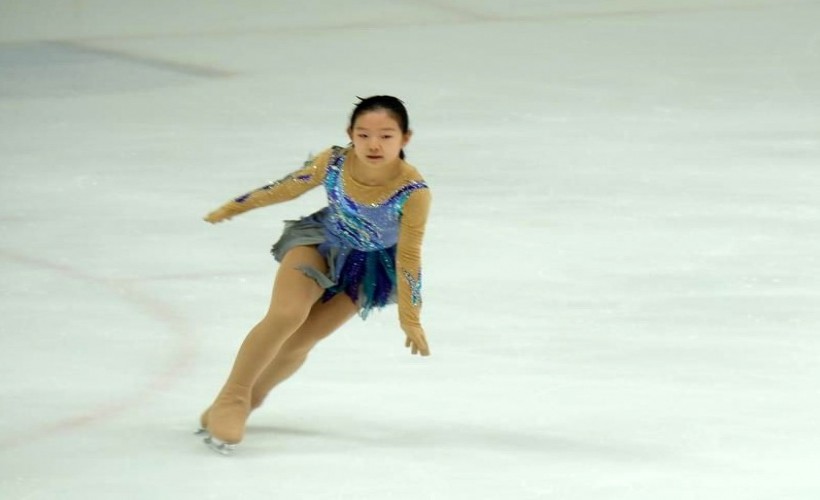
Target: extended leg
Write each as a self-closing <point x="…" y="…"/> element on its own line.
<point x="324" y="319"/>
<point x="293" y="296"/>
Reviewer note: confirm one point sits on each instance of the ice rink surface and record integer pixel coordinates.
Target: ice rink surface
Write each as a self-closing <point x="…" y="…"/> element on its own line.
<point x="622" y="283"/>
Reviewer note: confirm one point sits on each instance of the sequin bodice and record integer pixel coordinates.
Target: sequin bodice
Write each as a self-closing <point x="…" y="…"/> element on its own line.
<point x="363" y="226"/>
<point x="396" y="215"/>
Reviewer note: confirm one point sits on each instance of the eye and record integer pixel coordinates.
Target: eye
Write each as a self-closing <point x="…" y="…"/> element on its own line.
<point x="363" y="136"/>
<point x="387" y="137"/>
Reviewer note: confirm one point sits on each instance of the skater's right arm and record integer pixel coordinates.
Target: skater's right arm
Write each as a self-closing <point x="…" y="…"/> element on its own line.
<point x="289" y="187"/>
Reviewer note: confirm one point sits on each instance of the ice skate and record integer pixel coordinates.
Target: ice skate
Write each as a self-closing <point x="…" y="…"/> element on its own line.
<point x="212" y="442"/>
<point x="256" y="402"/>
<point x="219" y="446"/>
<point x="224" y="421"/>
<point x="203" y="423"/>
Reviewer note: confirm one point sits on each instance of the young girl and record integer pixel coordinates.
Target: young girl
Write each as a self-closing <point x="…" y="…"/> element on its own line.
<point x="362" y="251"/>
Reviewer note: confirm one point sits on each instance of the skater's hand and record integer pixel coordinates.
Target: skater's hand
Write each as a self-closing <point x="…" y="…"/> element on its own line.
<point x="416" y="340"/>
<point x="219" y="215"/>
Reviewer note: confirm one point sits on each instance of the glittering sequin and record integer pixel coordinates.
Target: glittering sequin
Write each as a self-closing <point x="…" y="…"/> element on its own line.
<point x="415" y="287"/>
<point x="359" y="240"/>
<point x="363" y="226"/>
<point x="368" y="278"/>
<point x="300" y="176"/>
<point x="370" y="231"/>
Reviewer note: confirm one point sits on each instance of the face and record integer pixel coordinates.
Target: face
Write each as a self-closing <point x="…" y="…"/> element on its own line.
<point x="377" y="138"/>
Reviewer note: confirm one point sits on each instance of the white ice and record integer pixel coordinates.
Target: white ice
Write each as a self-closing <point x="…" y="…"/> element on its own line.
<point x="622" y="281"/>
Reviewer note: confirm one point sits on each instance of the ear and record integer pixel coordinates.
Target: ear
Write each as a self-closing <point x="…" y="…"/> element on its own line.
<point x="407" y="138"/>
<point x="350" y="134"/>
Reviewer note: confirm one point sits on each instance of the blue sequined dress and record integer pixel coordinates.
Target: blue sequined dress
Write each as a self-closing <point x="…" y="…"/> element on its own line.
<point x="358" y="241"/>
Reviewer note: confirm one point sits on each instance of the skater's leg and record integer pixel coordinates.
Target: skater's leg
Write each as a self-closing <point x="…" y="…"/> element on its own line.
<point x="293" y="295"/>
<point x="324" y="319"/>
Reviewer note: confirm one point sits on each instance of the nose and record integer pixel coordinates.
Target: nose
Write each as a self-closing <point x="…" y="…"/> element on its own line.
<point x="373" y="144"/>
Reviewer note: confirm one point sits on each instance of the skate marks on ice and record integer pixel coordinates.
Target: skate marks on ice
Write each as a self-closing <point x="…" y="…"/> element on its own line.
<point x="178" y="364"/>
<point x="72" y="69"/>
<point x="499" y="13"/>
<point x="432" y="437"/>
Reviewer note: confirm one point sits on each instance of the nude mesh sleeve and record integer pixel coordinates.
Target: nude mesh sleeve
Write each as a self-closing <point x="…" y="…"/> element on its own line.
<point x="287" y="188"/>
<point x="408" y="257"/>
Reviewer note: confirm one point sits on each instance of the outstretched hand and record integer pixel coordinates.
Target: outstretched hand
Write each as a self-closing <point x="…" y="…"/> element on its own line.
<point x="416" y="340"/>
<point x="218" y="215"/>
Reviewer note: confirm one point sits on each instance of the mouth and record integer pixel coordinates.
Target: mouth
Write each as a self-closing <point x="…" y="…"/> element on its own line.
<point x="374" y="157"/>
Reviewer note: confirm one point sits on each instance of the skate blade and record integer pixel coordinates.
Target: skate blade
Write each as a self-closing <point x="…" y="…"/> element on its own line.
<point x="201" y="431"/>
<point x="220" y="447"/>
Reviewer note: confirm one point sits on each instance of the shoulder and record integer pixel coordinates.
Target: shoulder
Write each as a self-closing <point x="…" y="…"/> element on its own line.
<point x="416" y="204"/>
<point x="328" y="154"/>
<point x="412" y="175"/>
<point x="323" y="161"/>
<point x="416" y="188"/>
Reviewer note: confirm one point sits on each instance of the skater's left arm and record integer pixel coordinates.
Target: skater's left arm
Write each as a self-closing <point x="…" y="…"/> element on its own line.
<point x="289" y="187"/>
<point x="408" y="269"/>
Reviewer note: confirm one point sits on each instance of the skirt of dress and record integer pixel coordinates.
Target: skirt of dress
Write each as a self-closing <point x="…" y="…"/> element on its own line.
<point x="368" y="278"/>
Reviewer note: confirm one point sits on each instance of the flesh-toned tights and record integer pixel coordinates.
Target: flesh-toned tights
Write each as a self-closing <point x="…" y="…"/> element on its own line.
<point x="278" y="345"/>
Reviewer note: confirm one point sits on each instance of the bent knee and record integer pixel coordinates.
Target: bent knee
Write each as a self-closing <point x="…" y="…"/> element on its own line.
<point x="288" y="317"/>
<point x="298" y="346"/>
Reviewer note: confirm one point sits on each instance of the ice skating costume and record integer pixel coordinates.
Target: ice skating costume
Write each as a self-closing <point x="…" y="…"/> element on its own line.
<point x="370" y="236"/>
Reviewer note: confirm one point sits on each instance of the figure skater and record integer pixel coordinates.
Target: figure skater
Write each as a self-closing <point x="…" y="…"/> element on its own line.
<point x="362" y="251"/>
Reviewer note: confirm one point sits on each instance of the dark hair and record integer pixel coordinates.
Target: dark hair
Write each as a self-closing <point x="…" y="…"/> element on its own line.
<point x="393" y="105"/>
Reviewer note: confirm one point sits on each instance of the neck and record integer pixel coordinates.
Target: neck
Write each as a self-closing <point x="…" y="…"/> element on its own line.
<point x="370" y="175"/>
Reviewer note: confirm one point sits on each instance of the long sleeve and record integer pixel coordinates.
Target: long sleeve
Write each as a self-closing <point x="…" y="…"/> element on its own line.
<point x="408" y="256"/>
<point x="287" y="188"/>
